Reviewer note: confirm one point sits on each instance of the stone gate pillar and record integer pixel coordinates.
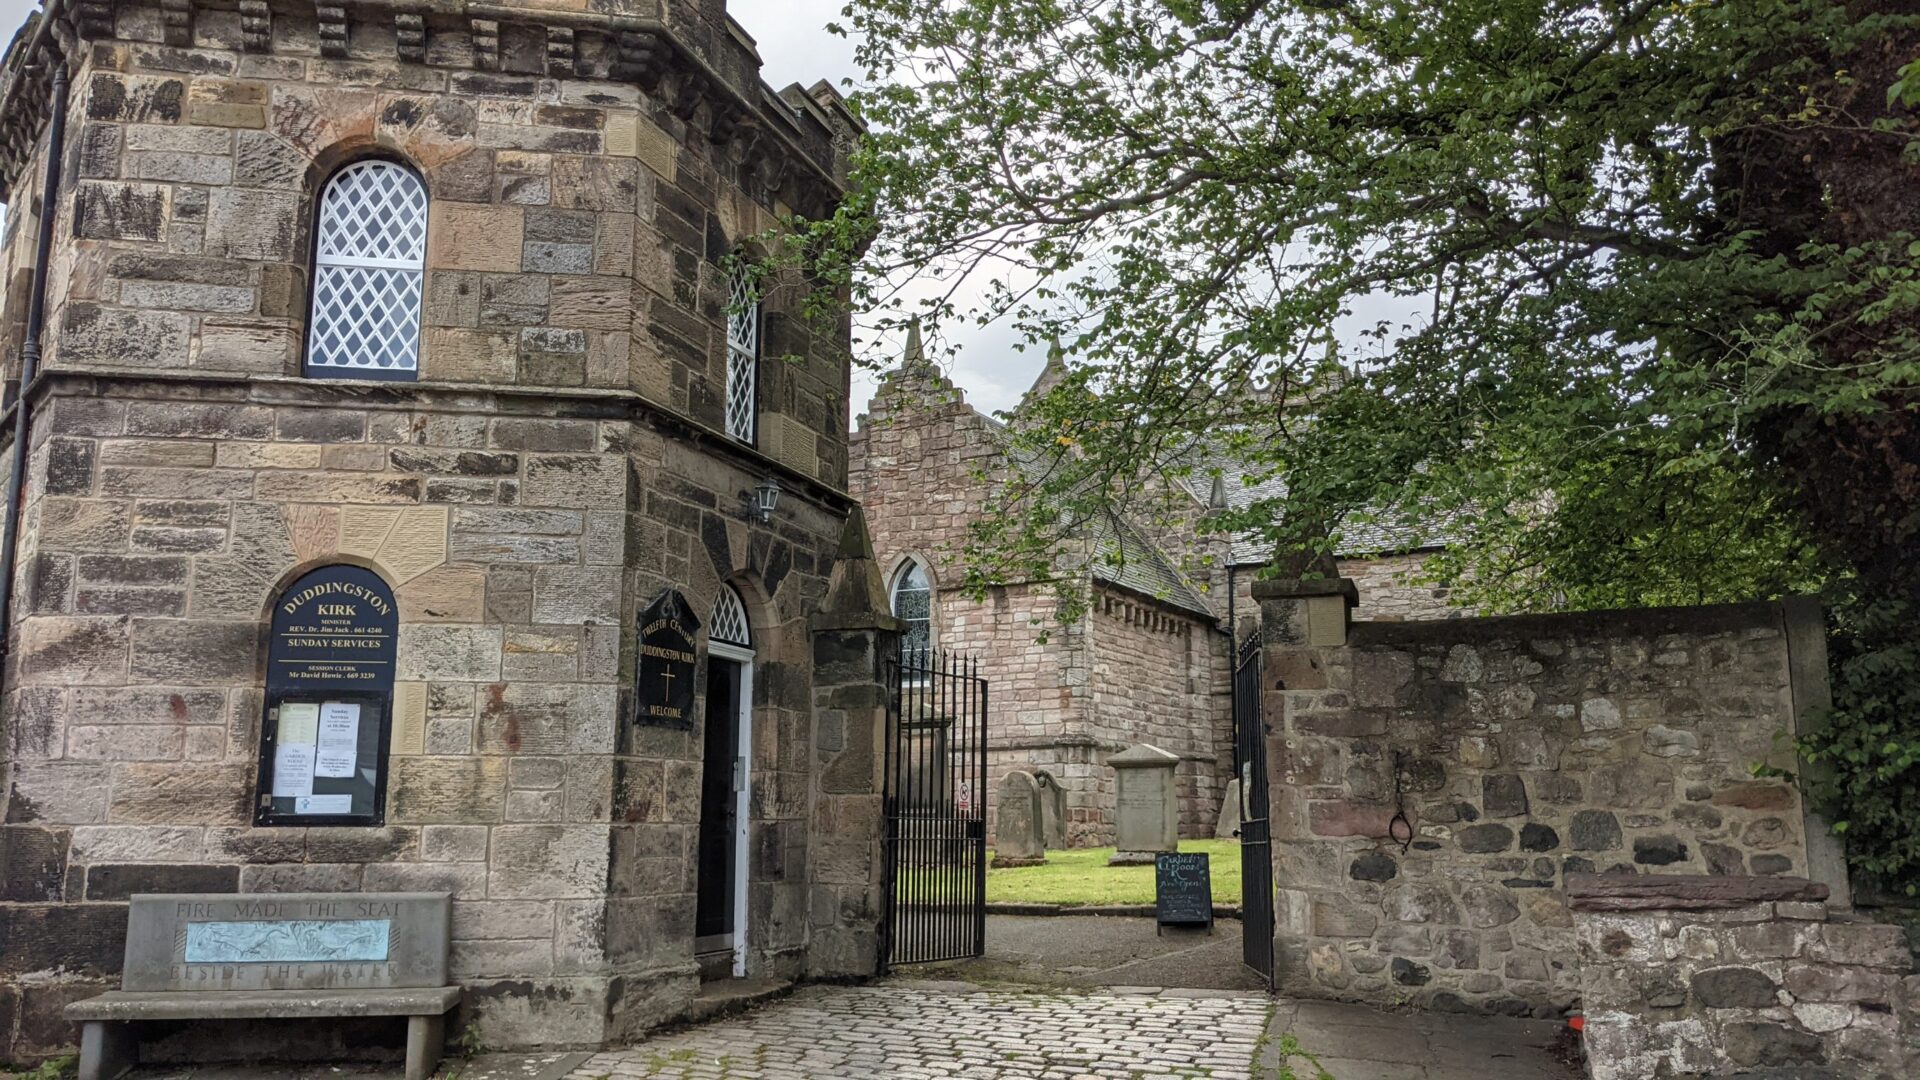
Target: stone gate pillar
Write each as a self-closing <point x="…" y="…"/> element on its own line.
<point x="1303" y="627"/>
<point x="853" y="634"/>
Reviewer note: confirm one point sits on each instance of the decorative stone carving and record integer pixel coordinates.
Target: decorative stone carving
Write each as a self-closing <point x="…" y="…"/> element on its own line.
<point x="410" y="36"/>
<point x="256" y="26"/>
<point x="486" y="44"/>
<point x="562" y="55"/>
<point x="177" y="20"/>
<point x="333" y="29"/>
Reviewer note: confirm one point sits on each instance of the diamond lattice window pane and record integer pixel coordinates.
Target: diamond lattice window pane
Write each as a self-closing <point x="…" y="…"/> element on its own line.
<point x="743" y="358"/>
<point x="729" y="622"/>
<point x="369" y="260"/>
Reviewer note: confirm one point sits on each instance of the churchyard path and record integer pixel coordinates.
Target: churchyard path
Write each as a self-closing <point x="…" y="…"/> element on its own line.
<point x="934" y="1030"/>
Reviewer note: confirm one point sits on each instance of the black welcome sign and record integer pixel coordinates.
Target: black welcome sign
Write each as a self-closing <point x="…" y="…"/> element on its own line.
<point x="663" y="681"/>
<point x="1183" y="889"/>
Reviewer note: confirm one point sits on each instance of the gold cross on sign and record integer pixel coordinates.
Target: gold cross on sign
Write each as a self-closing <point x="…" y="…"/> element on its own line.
<point x="666" y="672"/>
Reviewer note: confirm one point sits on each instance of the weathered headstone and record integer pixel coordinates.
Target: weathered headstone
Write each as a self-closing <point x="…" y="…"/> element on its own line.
<point x="1228" y="826"/>
<point x="1017" y="836"/>
<point x="1053" y="810"/>
<point x="1147" y="806"/>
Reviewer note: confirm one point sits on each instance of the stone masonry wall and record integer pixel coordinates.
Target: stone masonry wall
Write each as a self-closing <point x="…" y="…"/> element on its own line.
<point x="1037" y="694"/>
<point x="555" y="467"/>
<point x="575" y="232"/>
<point x="1159" y="677"/>
<point x="515" y="783"/>
<point x="1523" y="749"/>
<point x="1782" y="988"/>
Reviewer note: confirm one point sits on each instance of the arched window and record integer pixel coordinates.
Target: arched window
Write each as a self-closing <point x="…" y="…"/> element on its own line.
<point x="369" y="259"/>
<point x="729" y="623"/>
<point x="743" y="357"/>
<point x="912" y="599"/>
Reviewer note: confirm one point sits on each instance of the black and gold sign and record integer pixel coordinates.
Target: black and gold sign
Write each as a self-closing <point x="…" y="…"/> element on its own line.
<point x="334" y="629"/>
<point x="663" y="685"/>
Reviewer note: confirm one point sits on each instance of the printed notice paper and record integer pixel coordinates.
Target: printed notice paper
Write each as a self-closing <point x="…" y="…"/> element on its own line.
<point x="339" y="739"/>
<point x="299" y="722"/>
<point x="292" y="770"/>
<point x="323" y="804"/>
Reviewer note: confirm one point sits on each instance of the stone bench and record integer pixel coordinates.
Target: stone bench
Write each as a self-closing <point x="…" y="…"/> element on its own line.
<point x="275" y="957"/>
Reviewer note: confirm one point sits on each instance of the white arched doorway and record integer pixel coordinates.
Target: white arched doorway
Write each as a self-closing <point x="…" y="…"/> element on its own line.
<point x="720" y="904"/>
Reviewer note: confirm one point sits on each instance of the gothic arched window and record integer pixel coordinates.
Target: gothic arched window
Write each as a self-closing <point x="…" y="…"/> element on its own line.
<point x="743" y="357"/>
<point x="369" y="262"/>
<point x="728" y="624"/>
<point x="912" y="601"/>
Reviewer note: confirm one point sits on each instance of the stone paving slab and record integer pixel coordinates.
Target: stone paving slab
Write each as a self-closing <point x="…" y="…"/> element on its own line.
<point x="1354" y="1042"/>
<point x="913" y="1030"/>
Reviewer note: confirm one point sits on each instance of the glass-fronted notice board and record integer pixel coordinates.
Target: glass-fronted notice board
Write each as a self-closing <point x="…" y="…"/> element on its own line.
<point x="323" y="752"/>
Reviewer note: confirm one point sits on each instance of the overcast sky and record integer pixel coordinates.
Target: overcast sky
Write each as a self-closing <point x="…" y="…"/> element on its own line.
<point x="796" y="47"/>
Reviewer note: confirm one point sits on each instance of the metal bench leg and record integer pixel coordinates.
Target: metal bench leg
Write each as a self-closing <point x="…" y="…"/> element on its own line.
<point x="426" y="1038"/>
<point x="107" y="1049"/>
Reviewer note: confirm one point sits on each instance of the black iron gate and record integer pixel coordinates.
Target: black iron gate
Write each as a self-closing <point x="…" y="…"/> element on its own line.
<point x="936" y="809"/>
<point x="1256" y="847"/>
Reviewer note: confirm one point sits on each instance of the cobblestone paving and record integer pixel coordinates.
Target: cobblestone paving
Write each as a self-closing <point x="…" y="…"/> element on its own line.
<point x="899" y="1030"/>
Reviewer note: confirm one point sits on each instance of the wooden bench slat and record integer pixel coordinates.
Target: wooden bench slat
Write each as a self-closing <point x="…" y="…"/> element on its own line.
<point x="118" y="1005"/>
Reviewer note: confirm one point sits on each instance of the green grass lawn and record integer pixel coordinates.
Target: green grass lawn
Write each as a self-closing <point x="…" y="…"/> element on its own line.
<point x="1081" y="876"/>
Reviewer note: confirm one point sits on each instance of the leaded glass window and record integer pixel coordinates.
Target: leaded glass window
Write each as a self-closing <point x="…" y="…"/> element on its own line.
<point x="369" y="262"/>
<point x="913" y="606"/>
<point x="729" y="622"/>
<point x="743" y="357"/>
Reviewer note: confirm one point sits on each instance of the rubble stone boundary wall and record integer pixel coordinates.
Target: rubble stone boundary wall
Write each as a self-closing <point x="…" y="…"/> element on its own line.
<point x="1685" y="976"/>
<point x="1521" y="750"/>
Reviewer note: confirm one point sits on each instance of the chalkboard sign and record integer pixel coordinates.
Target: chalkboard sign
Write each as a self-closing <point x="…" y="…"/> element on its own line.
<point x="330" y="669"/>
<point x="1183" y="889"/>
<point x="663" y="680"/>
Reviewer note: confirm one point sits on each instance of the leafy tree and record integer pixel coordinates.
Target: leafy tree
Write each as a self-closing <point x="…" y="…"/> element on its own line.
<point x="1658" y="263"/>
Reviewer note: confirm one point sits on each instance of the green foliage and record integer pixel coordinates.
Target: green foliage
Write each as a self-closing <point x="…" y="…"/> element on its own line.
<point x="1864" y="764"/>
<point x="60" y="1068"/>
<point x="1623" y="293"/>
<point x="1290" y="1052"/>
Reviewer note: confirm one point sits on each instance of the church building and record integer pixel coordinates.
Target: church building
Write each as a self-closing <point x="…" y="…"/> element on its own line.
<point x="418" y="493"/>
<point x="1148" y="661"/>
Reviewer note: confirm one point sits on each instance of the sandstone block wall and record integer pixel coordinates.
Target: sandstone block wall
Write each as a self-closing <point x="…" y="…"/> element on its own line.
<point x="1160" y="677"/>
<point x="576" y="223"/>
<point x="1521" y="749"/>
<point x="556" y="465"/>
<point x="1784" y="988"/>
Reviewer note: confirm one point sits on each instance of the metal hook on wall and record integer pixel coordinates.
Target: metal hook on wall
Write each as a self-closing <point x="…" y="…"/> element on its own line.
<point x="1400" y="827"/>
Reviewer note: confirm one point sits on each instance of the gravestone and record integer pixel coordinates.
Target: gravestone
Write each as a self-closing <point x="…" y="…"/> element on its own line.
<point x="1228" y="827"/>
<point x="1017" y="836"/>
<point x="1053" y="810"/>
<point x="1147" y="806"/>
<point x="286" y="941"/>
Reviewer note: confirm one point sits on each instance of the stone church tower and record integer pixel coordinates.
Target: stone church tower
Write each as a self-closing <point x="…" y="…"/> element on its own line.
<point x="432" y="302"/>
